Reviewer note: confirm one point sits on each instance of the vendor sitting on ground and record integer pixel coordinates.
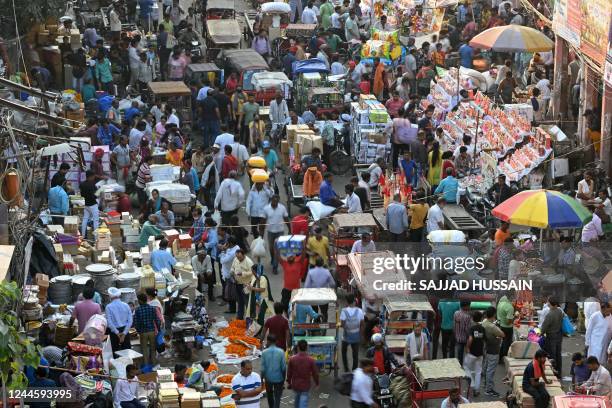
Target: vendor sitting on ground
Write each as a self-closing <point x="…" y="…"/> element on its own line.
<point x="534" y="380"/>
<point x="165" y="216"/>
<point x="599" y="383"/>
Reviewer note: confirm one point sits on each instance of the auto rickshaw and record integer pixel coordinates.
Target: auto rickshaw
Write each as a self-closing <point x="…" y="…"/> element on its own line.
<point x="202" y="71"/>
<point x="246" y="63"/>
<point x="307" y="74"/>
<point x="401" y="313"/>
<point x="221" y="35"/>
<point x="220" y="10"/>
<point x="267" y="84"/>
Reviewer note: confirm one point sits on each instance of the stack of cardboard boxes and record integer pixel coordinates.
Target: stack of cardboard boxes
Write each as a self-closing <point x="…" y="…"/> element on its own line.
<point x="371" y="127"/>
<point x="300" y="142"/>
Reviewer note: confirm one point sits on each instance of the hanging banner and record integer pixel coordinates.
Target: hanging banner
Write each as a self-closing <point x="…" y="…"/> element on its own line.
<point x="595" y="28"/>
<point x="567" y="20"/>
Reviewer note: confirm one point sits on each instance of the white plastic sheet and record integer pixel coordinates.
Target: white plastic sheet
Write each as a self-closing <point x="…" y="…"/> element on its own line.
<point x="319" y="210"/>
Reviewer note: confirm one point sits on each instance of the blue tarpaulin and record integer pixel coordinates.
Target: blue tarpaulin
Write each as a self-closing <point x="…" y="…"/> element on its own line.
<point x="309" y="65"/>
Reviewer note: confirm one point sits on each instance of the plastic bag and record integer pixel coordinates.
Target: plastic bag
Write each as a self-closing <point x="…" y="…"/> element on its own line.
<point x="258" y="247"/>
<point x="107" y="354"/>
<point x="94" y="330"/>
<point x="319" y="210"/>
<point x="160" y="342"/>
<point x="567" y="327"/>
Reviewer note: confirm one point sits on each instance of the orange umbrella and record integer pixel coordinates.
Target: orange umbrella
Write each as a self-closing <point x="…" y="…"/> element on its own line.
<point x="513" y="38"/>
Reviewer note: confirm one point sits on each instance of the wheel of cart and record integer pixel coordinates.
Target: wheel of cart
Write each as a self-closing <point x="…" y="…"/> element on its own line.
<point x="432" y="379"/>
<point x="400" y="315"/>
<point x="322" y="348"/>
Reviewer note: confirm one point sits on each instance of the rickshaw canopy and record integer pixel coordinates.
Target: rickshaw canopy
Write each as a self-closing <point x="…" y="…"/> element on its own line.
<point x="313" y="296"/>
<point x="224" y="32"/>
<point x="446" y="237"/>
<point x="168" y="89"/>
<point x="438" y="370"/>
<point x="322" y="91"/>
<point x="309" y="65"/>
<point x="203" y="67"/>
<point x="220" y="5"/>
<point x="354" y="220"/>
<point x="407" y="303"/>
<point x="266" y="80"/>
<point x="245" y="59"/>
<point x="276" y="7"/>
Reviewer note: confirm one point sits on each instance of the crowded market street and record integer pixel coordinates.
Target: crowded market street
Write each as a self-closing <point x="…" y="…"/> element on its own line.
<point x="306" y="203"/>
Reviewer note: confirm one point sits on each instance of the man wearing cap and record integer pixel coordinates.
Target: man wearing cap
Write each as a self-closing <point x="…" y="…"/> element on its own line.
<point x="119" y="321"/>
<point x="229" y="197"/>
<point x="435" y="216"/>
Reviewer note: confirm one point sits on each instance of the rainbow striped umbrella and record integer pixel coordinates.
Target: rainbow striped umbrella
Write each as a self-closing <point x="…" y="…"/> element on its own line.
<point x="513" y="38"/>
<point x="543" y="209"/>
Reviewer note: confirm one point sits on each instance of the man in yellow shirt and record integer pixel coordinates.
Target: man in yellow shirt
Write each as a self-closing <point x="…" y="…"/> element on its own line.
<point x="318" y="245"/>
<point x="418" y="213"/>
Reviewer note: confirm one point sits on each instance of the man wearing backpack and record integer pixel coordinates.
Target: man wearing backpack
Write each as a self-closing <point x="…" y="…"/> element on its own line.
<point x="352" y="319"/>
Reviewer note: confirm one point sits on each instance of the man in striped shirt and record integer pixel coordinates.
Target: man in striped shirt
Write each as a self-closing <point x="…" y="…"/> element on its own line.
<point x="461" y="328"/>
<point x="247" y="386"/>
<point x="143" y="177"/>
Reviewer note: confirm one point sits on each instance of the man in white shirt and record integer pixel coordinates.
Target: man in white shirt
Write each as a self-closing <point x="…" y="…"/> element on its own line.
<point x="248" y="386"/>
<point x="276" y="217"/>
<point x="336" y="18"/>
<point x="599" y="383"/>
<point x="309" y="15"/>
<point x="224" y="139"/>
<point x="126" y="390"/>
<point x="279" y="112"/>
<point x="543" y="85"/>
<point x="203" y="92"/>
<point x="229" y="197"/>
<point x="336" y="67"/>
<point x="454" y="399"/>
<point x="362" y="385"/>
<point x="353" y="202"/>
<point x="136" y="135"/>
<point x="435" y="216"/>
<point x="592" y="230"/>
<point x="363" y="245"/>
<point x="376" y="170"/>
<point x="202" y="267"/>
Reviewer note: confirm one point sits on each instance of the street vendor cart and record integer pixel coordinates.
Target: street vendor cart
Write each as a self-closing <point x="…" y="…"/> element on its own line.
<point x="267" y="84"/>
<point x="221" y="35"/>
<point x="177" y="93"/>
<point x="322" y="348"/>
<point x="400" y="315"/>
<point x="204" y="71"/>
<point x="432" y="379"/>
<point x="345" y="229"/>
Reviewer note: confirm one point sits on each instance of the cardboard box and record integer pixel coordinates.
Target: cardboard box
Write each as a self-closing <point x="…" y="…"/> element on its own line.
<point x="377" y="138"/>
<point x="284" y="148"/>
<point x="363" y="98"/>
<point x="285" y="158"/>
<point x="171" y="235"/>
<point x="309" y="142"/>
<point x="292" y="130"/>
<point x="301" y="134"/>
<point x="185" y="241"/>
<point x="148" y="377"/>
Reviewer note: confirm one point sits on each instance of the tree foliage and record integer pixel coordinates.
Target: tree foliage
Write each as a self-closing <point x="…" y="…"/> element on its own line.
<point x="28" y="13"/>
<point x="16" y="351"/>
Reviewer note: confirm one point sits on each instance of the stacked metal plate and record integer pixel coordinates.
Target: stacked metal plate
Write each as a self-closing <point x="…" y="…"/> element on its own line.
<point x="60" y="290"/>
<point x="78" y="284"/>
<point x="128" y="295"/>
<point x="129" y="280"/>
<point x="103" y="276"/>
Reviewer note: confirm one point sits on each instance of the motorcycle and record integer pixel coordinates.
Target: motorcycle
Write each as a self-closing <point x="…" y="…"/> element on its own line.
<point x="382" y="391"/>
